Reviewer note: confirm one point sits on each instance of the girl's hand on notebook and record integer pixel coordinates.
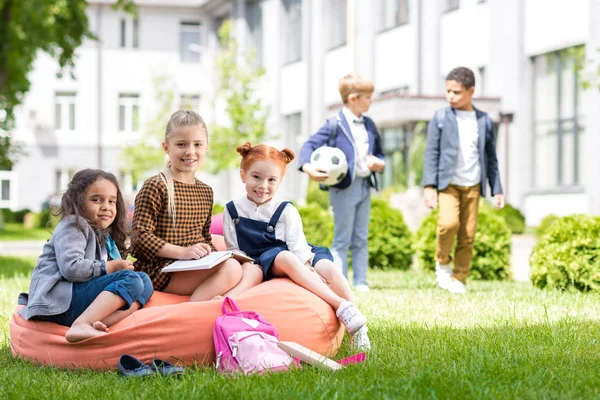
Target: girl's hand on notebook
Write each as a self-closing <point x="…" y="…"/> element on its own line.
<point x="118" y="265"/>
<point x="195" y="251"/>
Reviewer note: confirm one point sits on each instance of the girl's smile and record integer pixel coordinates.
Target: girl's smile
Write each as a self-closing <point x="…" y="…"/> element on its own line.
<point x="262" y="180"/>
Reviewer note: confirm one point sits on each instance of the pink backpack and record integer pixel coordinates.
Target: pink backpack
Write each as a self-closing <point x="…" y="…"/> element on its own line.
<point x="246" y="342"/>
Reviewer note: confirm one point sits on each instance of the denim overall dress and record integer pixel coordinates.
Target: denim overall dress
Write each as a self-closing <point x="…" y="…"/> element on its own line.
<point x="257" y="239"/>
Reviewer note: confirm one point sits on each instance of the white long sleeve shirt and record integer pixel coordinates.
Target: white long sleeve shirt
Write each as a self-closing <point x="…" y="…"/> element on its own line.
<point x="288" y="229"/>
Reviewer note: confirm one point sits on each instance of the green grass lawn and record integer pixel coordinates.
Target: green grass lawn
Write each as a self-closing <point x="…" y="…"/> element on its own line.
<point x="13" y="231"/>
<point x="501" y="340"/>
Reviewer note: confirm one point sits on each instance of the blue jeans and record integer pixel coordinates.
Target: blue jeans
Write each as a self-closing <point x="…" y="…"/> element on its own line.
<point x="131" y="286"/>
<point x="351" y="215"/>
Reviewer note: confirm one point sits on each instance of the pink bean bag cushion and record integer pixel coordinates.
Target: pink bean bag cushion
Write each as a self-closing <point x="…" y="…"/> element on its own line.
<point x="172" y="329"/>
<point x="216" y="224"/>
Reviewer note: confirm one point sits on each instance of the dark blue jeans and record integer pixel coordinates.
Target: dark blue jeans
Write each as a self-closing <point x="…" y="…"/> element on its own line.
<point x="131" y="286"/>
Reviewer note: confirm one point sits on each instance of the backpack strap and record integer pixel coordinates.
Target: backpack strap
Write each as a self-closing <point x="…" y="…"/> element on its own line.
<point x="440" y="116"/>
<point x="332" y="127"/>
<point x="229" y="304"/>
<point x="233" y="212"/>
<point x="276" y="216"/>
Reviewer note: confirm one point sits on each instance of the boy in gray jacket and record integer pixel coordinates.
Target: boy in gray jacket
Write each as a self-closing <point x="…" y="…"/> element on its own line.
<point x="460" y="156"/>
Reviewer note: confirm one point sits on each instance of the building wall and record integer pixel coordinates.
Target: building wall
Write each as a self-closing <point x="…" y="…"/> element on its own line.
<point x="497" y="39"/>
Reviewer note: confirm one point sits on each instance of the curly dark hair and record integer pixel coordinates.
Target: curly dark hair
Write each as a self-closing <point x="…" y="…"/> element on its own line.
<point x="462" y="75"/>
<point x="72" y="204"/>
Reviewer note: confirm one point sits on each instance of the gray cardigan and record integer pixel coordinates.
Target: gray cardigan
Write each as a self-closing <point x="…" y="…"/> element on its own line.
<point x="71" y="255"/>
<point x="441" y="152"/>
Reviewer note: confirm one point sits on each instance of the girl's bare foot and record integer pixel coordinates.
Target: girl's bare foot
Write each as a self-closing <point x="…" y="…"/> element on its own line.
<point x="99" y="325"/>
<point x="82" y="331"/>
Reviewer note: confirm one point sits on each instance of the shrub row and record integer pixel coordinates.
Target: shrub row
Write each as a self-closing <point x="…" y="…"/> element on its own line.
<point x="491" y="250"/>
<point x="567" y="255"/>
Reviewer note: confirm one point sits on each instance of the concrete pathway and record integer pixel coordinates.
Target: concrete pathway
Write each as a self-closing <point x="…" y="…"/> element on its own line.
<point x="22" y="248"/>
<point x="522" y="245"/>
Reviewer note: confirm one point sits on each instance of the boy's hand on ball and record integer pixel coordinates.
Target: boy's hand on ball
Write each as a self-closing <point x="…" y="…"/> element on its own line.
<point x="118" y="265"/>
<point x="314" y="173"/>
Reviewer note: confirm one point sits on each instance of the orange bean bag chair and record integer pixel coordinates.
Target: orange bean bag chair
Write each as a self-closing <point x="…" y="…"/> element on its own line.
<point x="172" y="329"/>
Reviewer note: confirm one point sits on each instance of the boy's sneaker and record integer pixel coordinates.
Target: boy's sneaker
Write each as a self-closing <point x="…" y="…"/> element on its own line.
<point x="361" y="341"/>
<point x="350" y="317"/>
<point x="362" y="288"/>
<point x="456" y="287"/>
<point x="443" y="274"/>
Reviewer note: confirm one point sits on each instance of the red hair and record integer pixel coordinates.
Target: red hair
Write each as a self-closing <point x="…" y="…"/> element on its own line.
<point x="262" y="152"/>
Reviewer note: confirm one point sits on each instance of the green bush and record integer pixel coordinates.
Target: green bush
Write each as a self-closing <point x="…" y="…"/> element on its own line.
<point x="314" y="195"/>
<point x="389" y="237"/>
<point x="491" y="250"/>
<point x="7" y="215"/>
<point x="545" y="224"/>
<point x="390" y="240"/>
<point x="513" y="217"/>
<point x="45" y="219"/>
<point x="20" y="215"/>
<point x="567" y="257"/>
<point x="317" y="223"/>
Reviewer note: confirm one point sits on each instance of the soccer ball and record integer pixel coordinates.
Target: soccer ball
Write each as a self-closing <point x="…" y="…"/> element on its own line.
<point x="332" y="161"/>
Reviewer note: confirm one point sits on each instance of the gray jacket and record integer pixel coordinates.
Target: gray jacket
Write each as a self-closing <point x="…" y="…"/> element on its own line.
<point x="441" y="151"/>
<point x="71" y="255"/>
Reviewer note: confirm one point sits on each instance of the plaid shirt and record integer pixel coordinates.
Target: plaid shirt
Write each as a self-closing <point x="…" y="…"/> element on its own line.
<point x="152" y="225"/>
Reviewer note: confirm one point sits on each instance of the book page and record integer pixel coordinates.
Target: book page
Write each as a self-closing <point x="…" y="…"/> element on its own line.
<point x="211" y="260"/>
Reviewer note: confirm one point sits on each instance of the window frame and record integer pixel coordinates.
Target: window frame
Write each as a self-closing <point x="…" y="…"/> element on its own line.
<point x="128" y="113"/>
<point x="187" y="55"/>
<point x="293" y="31"/>
<point x="382" y="11"/>
<point x="557" y="58"/>
<point x="65" y="111"/>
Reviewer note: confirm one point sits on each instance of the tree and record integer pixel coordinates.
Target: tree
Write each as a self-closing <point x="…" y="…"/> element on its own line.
<point x="147" y="154"/>
<point x="246" y="114"/>
<point x="57" y="27"/>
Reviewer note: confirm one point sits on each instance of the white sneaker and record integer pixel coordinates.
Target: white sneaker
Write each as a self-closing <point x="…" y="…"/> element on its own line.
<point x="362" y="288"/>
<point x="443" y="274"/>
<point x="360" y="341"/>
<point x="350" y="317"/>
<point x="456" y="287"/>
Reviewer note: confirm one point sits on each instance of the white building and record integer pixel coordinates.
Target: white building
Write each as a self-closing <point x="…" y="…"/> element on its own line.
<point x="522" y="51"/>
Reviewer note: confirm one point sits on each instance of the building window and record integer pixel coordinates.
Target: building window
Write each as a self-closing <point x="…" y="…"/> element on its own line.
<point x="7" y="189"/>
<point x="558" y="127"/>
<point x="134" y="34"/>
<point x="62" y="177"/>
<point x="190" y="41"/>
<point x="391" y="13"/>
<point x="123" y="32"/>
<point x="128" y="112"/>
<point x="452" y="5"/>
<point x="293" y="31"/>
<point x="64" y="111"/>
<point x="396" y="145"/>
<point x="189" y="102"/>
<point x="336" y="11"/>
<point x="480" y="81"/>
<point x="254" y="21"/>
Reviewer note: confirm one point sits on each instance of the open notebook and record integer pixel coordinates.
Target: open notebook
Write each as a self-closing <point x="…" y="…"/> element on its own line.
<point x="213" y="259"/>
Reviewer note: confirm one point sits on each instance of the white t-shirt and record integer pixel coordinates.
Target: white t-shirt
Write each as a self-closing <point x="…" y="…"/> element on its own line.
<point x="288" y="229"/>
<point x="361" y="142"/>
<point x="468" y="170"/>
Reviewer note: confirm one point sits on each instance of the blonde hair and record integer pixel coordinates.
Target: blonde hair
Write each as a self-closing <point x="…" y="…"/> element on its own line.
<point x="179" y="119"/>
<point x="354" y="83"/>
<point x="262" y="152"/>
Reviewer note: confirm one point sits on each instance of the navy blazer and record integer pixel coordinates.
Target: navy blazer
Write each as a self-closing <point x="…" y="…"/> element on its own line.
<point x="442" y="148"/>
<point x="344" y="142"/>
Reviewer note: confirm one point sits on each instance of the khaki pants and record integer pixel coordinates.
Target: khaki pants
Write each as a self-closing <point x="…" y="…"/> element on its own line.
<point x="458" y="216"/>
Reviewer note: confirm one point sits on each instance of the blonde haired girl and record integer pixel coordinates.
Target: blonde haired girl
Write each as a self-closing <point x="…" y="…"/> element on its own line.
<point x="172" y="216"/>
